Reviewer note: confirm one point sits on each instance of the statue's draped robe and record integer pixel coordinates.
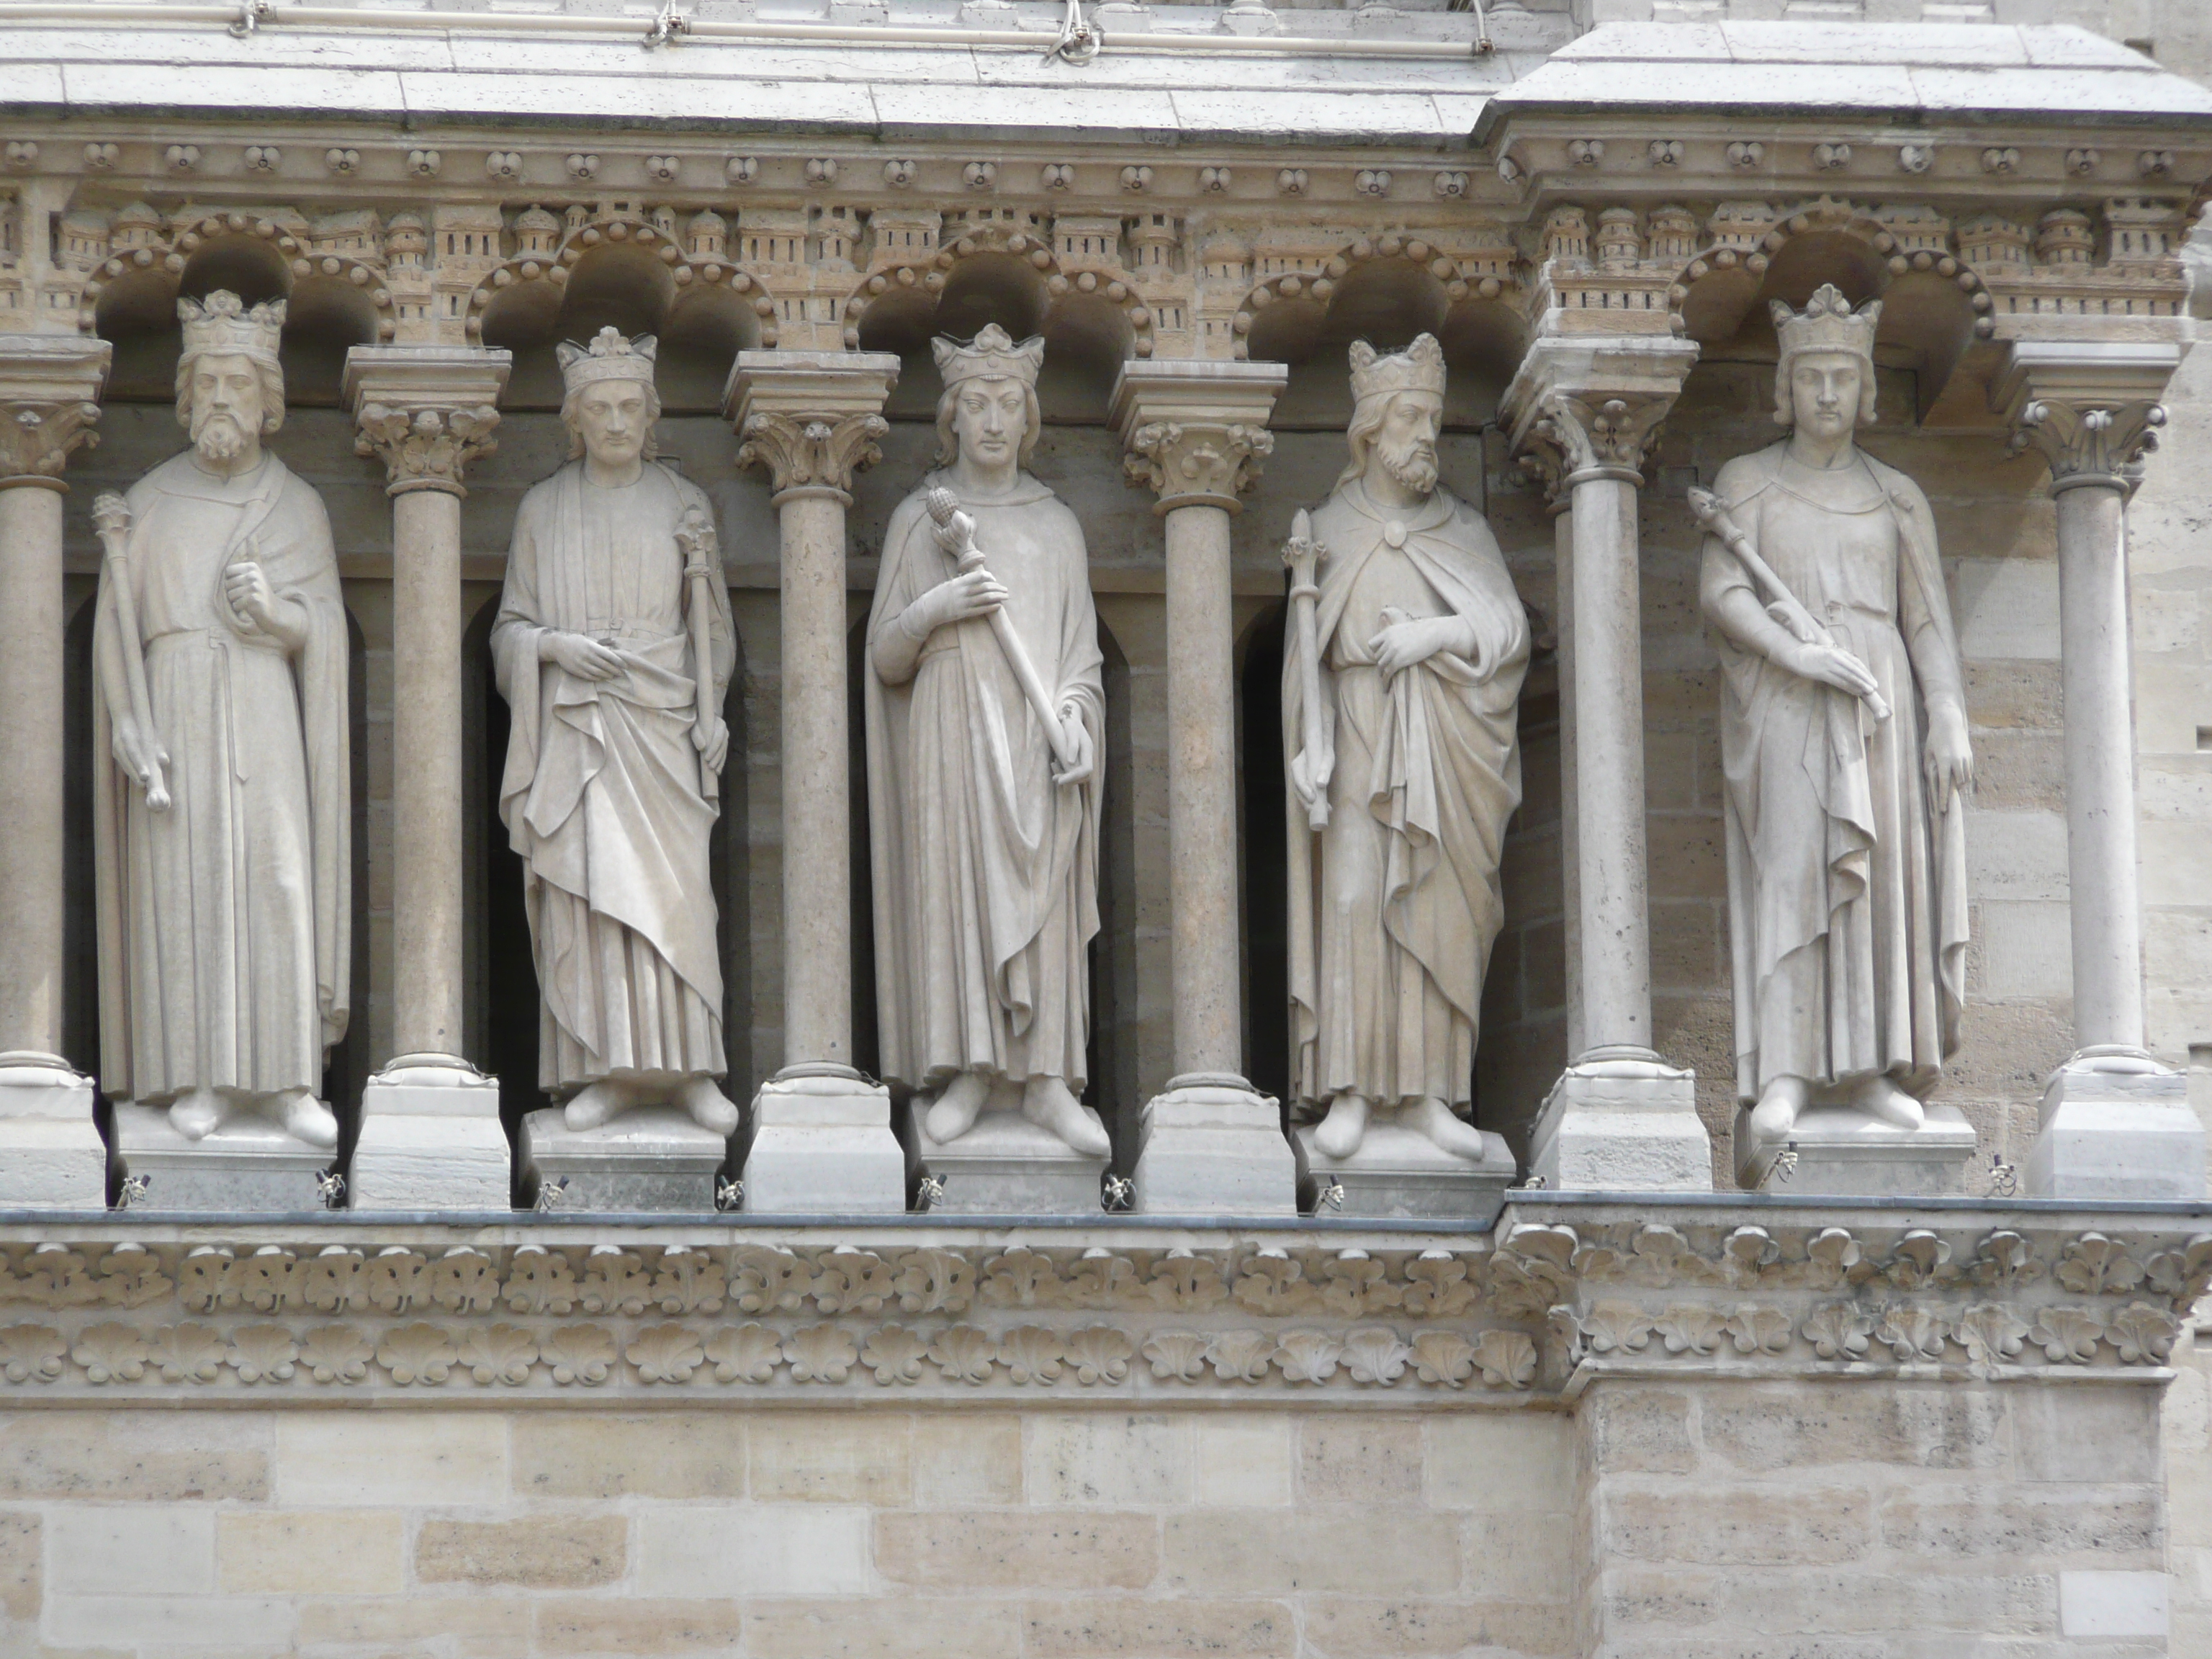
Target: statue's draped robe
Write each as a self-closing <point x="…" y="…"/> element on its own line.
<point x="602" y="796"/>
<point x="986" y="870"/>
<point x="225" y="921"/>
<point x="1394" y="905"/>
<point x="1847" y="895"/>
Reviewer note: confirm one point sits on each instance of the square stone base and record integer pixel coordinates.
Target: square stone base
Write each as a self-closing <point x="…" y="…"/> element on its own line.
<point x="1622" y="1127"/>
<point x="2117" y="1134"/>
<point x="1400" y="1172"/>
<point x="823" y="1145"/>
<point x="248" y="1165"/>
<point x="1006" y="1165"/>
<point x="1215" y="1149"/>
<point x="51" y="1157"/>
<point x="430" y="1146"/>
<point x="1841" y="1152"/>
<point x="651" y="1160"/>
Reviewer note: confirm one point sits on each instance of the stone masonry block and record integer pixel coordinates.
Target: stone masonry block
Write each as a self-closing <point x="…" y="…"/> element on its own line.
<point x="1358" y="1459"/>
<point x="788" y="1549"/>
<point x="1400" y="1628"/>
<point x="2022" y="1526"/>
<point x="2086" y="1434"/>
<point x="1713" y="1524"/>
<point x="598" y="1626"/>
<point x="1638" y="1430"/>
<point x="1034" y="1550"/>
<point x="1131" y="1627"/>
<point x="1267" y="1552"/>
<point x="1521" y="1464"/>
<point x="1244" y="1459"/>
<point x="149" y="1550"/>
<point x="1516" y="1558"/>
<point x="351" y="1458"/>
<point x="967" y="1458"/>
<point x="667" y="1454"/>
<point x="1907" y="1425"/>
<point x="539" y="1552"/>
<point x="216" y="1623"/>
<point x="932" y="1627"/>
<point x="151" y="1457"/>
<point x="1108" y="1459"/>
<point x="22" y="1556"/>
<point x="833" y="1458"/>
<point x="472" y="1624"/>
<point x="330" y="1551"/>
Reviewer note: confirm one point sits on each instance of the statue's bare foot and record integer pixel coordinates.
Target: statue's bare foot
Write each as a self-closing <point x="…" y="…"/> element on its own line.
<point x="1776" y="1115"/>
<point x="307" y="1118"/>
<point x="1048" y="1103"/>
<point x="1431" y="1117"/>
<point x="709" y="1107"/>
<point x="594" y="1104"/>
<point x="1881" y="1099"/>
<point x="1344" y="1128"/>
<point x="954" y="1112"/>
<point x="199" y="1114"/>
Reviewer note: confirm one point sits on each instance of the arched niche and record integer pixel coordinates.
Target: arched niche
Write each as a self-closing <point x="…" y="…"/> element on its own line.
<point x="1386" y="298"/>
<point x="1263" y="866"/>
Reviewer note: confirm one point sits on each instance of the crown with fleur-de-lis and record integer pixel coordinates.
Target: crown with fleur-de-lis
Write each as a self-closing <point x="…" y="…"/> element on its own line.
<point x="1419" y="367"/>
<point x="609" y="357"/>
<point x="223" y="326"/>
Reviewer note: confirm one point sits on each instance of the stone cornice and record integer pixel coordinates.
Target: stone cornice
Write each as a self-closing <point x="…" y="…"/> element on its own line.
<point x="426" y="412"/>
<point x="49" y="387"/>
<point x="1560" y="1297"/>
<point x="1196" y="431"/>
<point x="2089" y="408"/>
<point x="1587" y="404"/>
<point x="810" y="418"/>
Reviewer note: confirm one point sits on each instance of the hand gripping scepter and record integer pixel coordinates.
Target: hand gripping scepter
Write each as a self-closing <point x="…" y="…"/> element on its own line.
<point x="1781" y="603"/>
<point x="694" y="536"/>
<point x="960" y="530"/>
<point x="1303" y="554"/>
<point x="111" y="519"/>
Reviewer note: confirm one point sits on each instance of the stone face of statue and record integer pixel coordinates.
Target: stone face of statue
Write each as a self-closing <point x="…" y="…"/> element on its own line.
<point x="226" y="411"/>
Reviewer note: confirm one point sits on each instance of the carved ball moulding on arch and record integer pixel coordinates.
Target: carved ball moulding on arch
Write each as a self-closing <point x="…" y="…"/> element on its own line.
<point x="929" y="276"/>
<point x="162" y="268"/>
<point x="1459" y="278"/>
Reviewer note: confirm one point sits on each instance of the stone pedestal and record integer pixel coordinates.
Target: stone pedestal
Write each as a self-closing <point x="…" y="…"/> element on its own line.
<point x="1622" y="1126"/>
<point x="2113" y="1133"/>
<point x="51" y="1158"/>
<point x="430" y="1139"/>
<point x="1214" y="1147"/>
<point x="249" y="1165"/>
<point x="652" y="1160"/>
<point x="1006" y="1165"/>
<point x="1399" y="1172"/>
<point x="823" y="1145"/>
<point x="1844" y="1153"/>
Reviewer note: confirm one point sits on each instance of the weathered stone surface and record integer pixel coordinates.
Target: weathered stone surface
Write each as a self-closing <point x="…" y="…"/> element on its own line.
<point x="948" y="1627"/>
<point x="1265" y="1552"/>
<point x="590" y="1628"/>
<point x="1910" y="1425"/>
<point x="146" y="1456"/>
<point x="666" y="1454"/>
<point x="834" y="1458"/>
<point x="22" y="1558"/>
<point x="476" y="1625"/>
<point x="1108" y="1459"/>
<point x="351" y="1458"/>
<point x="1124" y="1627"/>
<point x="543" y="1552"/>
<point x="1038" y="1549"/>
<point x="967" y="1457"/>
<point x="755" y="1549"/>
<point x="1739" y="1525"/>
<point x="325" y="1553"/>
<point x="1404" y="1628"/>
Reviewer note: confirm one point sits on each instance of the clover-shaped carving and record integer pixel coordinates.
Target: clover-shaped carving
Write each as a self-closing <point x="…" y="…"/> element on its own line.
<point x="186" y="1353"/>
<point x="2066" y="1335"/>
<point x="1031" y="1353"/>
<point x="1357" y="1284"/>
<point x="1180" y="1279"/>
<point x="1911" y="1332"/>
<point x="417" y="1353"/>
<point x="1101" y="1279"/>
<point x="2094" y="1264"/>
<point x="770" y="1280"/>
<point x="1507" y="1359"/>
<point x="579" y="1354"/>
<point x="500" y="1353"/>
<point x="395" y="1280"/>
<point x="1373" y="1354"/>
<point x="1444" y="1357"/>
<point x="1754" y="1327"/>
<point x="1838" y="1330"/>
<point x="203" y="1279"/>
<point x="1690" y="1327"/>
<point x="1272" y="1283"/>
<point x="964" y="1354"/>
<point x="336" y="1353"/>
<point x="1437" y="1286"/>
<point x="1611" y="1327"/>
<point x="1099" y="1353"/>
<point x="539" y="1281"/>
<point x="263" y="1281"/>
<point x="1991" y="1333"/>
<point x="1308" y="1356"/>
<point x="463" y="1280"/>
<point x="664" y="1354"/>
<point x="615" y="1282"/>
<point x="262" y="1353"/>
<point x="1914" y="1263"/>
<point x="689" y="1281"/>
<point x="110" y="1352"/>
<point x="894" y="1354"/>
<point x="852" y="1281"/>
<point x="1240" y="1356"/>
<point x="745" y="1353"/>
<point x="1021" y="1278"/>
<point x="1178" y="1354"/>
<point x="2004" y="1258"/>
<point x="130" y="1276"/>
<point x="331" y="1282"/>
<point x="820" y="1353"/>
<point x="2144" y="1335"/>
<point x="933" y="1281"/>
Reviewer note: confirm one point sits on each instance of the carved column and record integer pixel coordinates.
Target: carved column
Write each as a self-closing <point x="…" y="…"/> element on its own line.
<point x="50" y="1155"/>
<point x="1195" y="432"/>
<point x="430" y="1135"/>
<point x="1587" y="412"/>
<point x="822" y="1130"/>
<point x="2115" y="1121"/>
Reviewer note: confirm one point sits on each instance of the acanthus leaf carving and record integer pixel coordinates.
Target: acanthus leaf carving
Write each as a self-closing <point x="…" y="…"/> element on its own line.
<point x="1911" y="1332"/>
<point x="771" y="1279"/>
<point x="394" y="1278"/>
<point x="463" y="1280"/>
<point x="1839" y="1330"/>
<point x="664" y="1354"/>
<point x="934" y="1281"/>
<point x="687" y="1281"/>
<point x="2143" y="1334"/>
<point x="2066" y="1335"/>
<point x="425" y="446"/>
<point x="35" y="1354"/>
<point x="1754" y="1328"/>
<point x="500" y="1353"/>
<point x="1610" y="1327"/>
<point x="336" y="1353"/>
<point x="2094" y="1265"/>
<point x="1919" y="1258"/>
<point x="1100" y="1353"/>
<point x="1021" y="1278"/>
<point x="1690" y="1327"/>
<point x="262" y="1353"/>
<point x="1991" y="1333"/>
<point x="1445" y="1358"/>
<point x="1616" y="434"/>
<point x="894" y="1354"/>
<point x="615" y="1282"/>
<point x="579" y="1353"/>
<point x="539" y="1281"/>
<point x="186" y="1353"/>
<point x="130" y="1276"/>
<point x="804" y="453"/>
<point x="1181" y="1280"/>
<point x="1308" y="1356"/>
<point x="964" y="1354"/>
<point x="1241" y="1356"/>
<point x="1195" y="459"/>
<point x="1031" y="1353"/>
<point x="1177" y="1355"/>
<point x="745" y="1353"/>
<point x="418" y="1353"/>
<point x="1273" y="1282"/>
<point x="1436" y="1285"/>
<point x="1508" y="1358"/>
<point x="2089" y="441"/>
<point x="852" y="1281"/>
<point x="821" y="1353"/>
<point x="111" y="1351"/>
<point x="1102" y="1280"/>
<point x="1373" y="1354"/>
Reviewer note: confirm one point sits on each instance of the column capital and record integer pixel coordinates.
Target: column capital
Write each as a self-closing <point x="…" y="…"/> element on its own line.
<point x="425" y="410"/>
<point x="1195" y="430"/>
<point x="811" y="418"/>
<point x="2090" y="408"/>
<point x="49" y="404"/>
<point x="1590" y="405"/>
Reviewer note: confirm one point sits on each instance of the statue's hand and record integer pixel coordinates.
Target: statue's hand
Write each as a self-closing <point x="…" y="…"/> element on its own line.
<point x="713" y="746"/>
<point x="1831" y="665"/>
<point x="253" y="597"/>
<point x="1303" y="782"/>
<point x="977" y="593"/>
<point x="575" y="653"/>
<point x="1402" y="644"/>
<point x="138" y="750"/>
<point x="1078" y="743"/>
<point x="1793" y="616"/>
<point x="1950" y="756"/>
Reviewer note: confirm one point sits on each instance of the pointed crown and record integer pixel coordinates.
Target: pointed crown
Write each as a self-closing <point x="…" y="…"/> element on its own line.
<point x="609" y="357"/>
<point x="1826" y="324"/>
<point x="221" y="324"/>
<point x="991" y="356"/>
<point x="1419" y="367"/>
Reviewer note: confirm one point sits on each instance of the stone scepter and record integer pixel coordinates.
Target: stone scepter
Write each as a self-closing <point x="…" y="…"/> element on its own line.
<point x="111" y="518"/>
<point x="695" y="536"/>
<point x="1303" y="554"/>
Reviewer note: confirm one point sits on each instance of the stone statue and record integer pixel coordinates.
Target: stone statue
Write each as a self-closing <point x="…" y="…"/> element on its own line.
<point x="1846" y="847"/>
<point x="1401" y="686"/>
<point x="221" y="830"/>
<point x="985" y="717"/>
<point x="613" y="647"/>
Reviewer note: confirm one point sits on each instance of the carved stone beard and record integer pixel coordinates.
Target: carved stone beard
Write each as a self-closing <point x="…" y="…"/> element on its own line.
<point x="219" y="435"/>
<point x="1413" y="464"/>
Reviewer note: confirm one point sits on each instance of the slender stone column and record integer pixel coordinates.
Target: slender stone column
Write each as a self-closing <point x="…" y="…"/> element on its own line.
<point x="2116" y="1122"/>
<point x="822" y="1130"/>
<point x="430" y="1135"/>
<point x="1194" y="432"/>
<point x="1588" y="410"/>
<point x="50" y="1155"/>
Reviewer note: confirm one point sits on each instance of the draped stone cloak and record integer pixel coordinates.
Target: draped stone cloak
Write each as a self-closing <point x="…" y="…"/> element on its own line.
<point x="1395" y="906"/>
<point x="986" y="870"/>
<point x="1847" y="887"/>
<point x="601" y="793"/>
<point x="225" y="921"/>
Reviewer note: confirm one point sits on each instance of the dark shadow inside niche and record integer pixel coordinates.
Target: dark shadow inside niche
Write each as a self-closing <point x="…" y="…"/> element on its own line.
<point x="324" y="318"/>
<point x="1087" y="336"/>
<point x="867" y="1008"/>
<point x="1264" y="869"/>
<point x="348" y="1066"/>
<point x="502" y="1010"/>
<point x="700" y="328"/>
<point x="1386" y="303"/>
